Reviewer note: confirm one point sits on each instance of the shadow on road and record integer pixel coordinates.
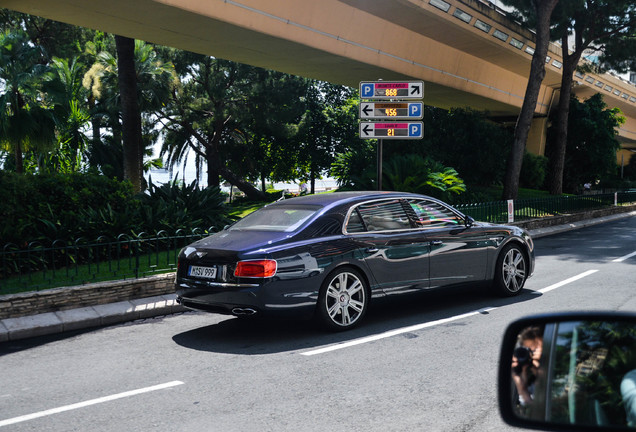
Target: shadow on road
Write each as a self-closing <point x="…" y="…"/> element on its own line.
<point x="257" y="337"/>
<point x="595" y="244"/>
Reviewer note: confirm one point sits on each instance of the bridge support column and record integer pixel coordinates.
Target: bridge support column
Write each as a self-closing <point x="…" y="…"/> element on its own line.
<point x="537" y="136"/>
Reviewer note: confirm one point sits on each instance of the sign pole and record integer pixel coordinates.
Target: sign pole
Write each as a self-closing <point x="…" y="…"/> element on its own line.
<point x="380" y="164"/>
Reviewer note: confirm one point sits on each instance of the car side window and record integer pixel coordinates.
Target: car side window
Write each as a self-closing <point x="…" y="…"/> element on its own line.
<point x="387" y="215"/>
<point x="432" y="214"/>
<point x="355" y="223"/>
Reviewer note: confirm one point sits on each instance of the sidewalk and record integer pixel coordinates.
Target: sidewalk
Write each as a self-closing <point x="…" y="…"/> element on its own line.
<point x="114" y="313"/>
<point x="87" y="317"/>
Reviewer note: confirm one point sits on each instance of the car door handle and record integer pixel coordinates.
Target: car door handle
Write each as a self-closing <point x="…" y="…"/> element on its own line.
<point x="437" y="243"/>
<point x="371" y="250"/>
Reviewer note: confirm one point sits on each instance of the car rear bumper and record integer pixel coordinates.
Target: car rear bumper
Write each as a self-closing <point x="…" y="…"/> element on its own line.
<point x="283" y="298"/>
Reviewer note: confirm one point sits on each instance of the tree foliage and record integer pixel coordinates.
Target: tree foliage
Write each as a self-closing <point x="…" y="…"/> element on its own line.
<point x="26" y="119"/>
<point x="606" y="29"/>
<point x="246" y="124"/>
<point x="592" y="144"/>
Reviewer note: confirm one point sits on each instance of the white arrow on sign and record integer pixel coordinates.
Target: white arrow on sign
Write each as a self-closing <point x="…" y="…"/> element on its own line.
<point x="393" y="130"/>
<point x="392" y="90"/>
<point x="391" y="110"/>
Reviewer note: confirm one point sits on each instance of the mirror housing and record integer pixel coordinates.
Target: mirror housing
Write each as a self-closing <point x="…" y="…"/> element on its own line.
<point x="469" y="221"/>
<point x="569" y="372"/>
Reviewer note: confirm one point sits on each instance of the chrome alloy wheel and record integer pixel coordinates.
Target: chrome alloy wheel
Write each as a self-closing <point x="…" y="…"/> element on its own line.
<point x="513" y="270"/>
<point x="343" y="300"/>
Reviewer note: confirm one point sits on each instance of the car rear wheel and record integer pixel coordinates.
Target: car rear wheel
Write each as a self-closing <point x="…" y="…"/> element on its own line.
<point x="511" y="271"/>
<point x="343" y="299"/>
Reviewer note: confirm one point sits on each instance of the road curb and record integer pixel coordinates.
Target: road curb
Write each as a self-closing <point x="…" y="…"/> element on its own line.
<point x="87" y="317"/>
<point x="557" y="229"/>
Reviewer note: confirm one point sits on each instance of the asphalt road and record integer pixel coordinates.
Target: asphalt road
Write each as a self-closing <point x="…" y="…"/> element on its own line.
<point x="426" y="362"/>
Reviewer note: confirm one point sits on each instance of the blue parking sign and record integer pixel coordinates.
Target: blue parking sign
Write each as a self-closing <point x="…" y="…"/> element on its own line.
<point x="415" y="130"/>
<point x="367" y="90"/>
<point x="415" y="110"/>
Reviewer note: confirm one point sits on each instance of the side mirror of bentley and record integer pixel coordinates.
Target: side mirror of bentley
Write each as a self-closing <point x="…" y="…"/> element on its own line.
<point x="569" y="372"/>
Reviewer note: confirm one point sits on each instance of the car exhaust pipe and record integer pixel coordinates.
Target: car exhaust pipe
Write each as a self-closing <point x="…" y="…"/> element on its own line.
<point x="243" y="311"/>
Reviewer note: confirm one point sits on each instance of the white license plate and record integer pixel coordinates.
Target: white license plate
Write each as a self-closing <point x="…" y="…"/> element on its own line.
<point x="202" y="272"/>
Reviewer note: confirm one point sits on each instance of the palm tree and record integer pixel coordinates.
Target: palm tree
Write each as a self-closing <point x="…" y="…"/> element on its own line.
<point x="132" y="94"/>
<point x="65" y="89"/>
<point x="26" y="122"/>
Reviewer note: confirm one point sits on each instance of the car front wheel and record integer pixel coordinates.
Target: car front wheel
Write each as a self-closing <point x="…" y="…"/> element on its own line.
<point x="343" y="299"/>
<point x="511" y="271"/>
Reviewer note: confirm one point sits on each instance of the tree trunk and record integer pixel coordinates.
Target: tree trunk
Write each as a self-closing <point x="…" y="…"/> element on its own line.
<point x="556" y="161"/>
<point x="19" y="162"/>
<point x="544" y="10"/>
<point x="131" y="116"/>
<point x="213" y="175"/>
<point x="246" y="187"/>
<point x="95" y="122"/>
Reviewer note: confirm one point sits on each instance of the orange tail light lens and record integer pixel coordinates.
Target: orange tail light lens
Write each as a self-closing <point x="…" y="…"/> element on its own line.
<point x="256" y="268"/>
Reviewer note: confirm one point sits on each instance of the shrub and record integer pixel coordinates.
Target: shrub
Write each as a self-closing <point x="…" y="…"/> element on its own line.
<point x="172" y="206"/>
<point x="49" y="207"/>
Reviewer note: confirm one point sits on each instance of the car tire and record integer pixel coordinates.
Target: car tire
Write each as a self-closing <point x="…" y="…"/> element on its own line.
<point x="343" y="299"/>
<point x="511" y="271"/>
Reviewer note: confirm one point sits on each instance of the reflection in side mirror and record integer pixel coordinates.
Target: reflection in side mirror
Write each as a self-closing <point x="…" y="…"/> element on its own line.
<point x="569" y="372"/>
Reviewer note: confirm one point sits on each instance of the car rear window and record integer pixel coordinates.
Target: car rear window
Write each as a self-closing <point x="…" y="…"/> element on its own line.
<point x="275" y="218"/>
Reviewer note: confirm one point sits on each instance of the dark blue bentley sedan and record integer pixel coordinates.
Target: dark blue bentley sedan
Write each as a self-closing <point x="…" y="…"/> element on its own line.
<point x="327" y="255"/>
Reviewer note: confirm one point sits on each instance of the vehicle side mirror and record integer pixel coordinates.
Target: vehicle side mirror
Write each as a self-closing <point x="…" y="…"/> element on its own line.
<point x="469" y="221"/>
<point x="569" y="372"/>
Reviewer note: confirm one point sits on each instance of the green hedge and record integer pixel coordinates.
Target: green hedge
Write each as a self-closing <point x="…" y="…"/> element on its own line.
<point x="49" y="207"/>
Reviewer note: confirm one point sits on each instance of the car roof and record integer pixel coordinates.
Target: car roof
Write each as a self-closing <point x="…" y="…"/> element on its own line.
<point x="330" y="199"/>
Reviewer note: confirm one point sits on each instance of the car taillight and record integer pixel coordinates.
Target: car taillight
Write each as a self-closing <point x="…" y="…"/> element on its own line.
<point x="256" y="268"/>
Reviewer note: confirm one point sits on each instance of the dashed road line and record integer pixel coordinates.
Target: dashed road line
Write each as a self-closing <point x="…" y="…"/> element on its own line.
<point x="565" y="282"/>
<point x="395" y="332"/>
<point x="417" y="327"/>
<point x="87" y="403"/>
<point x="623" y="258"/>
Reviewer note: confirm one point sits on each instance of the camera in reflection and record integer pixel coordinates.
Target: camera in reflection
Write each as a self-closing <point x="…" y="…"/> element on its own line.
<point x="524" y="358"/>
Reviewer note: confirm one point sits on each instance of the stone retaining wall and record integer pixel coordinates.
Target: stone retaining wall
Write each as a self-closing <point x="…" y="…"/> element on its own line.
<point x="58" y="299"/>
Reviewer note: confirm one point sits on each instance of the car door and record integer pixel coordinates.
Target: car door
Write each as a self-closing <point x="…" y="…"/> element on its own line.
<point x="395" y="252"/>
<point x="458" y="253"/>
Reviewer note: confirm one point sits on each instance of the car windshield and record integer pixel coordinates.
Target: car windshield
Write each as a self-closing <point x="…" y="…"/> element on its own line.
<point x="276" y="218"/>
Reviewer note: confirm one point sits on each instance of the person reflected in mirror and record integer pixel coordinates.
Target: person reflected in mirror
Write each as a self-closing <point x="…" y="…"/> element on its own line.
<point x="525" y="365"/>
<point x="628" y="393"/>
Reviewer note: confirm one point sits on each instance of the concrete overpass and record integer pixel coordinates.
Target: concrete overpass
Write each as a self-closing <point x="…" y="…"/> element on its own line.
<point x="468" y="53"/>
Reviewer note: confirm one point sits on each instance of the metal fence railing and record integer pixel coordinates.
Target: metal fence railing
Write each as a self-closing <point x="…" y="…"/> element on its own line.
<point x="37" y="266"/>
<point x="524" y="209"/>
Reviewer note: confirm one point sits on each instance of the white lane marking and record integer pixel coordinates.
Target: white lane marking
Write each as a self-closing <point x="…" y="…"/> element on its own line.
<point x="394" y="332"/>
<point x="565" y="282"/>
<point x="621" y="259"/>
<point x="88" y="403"/>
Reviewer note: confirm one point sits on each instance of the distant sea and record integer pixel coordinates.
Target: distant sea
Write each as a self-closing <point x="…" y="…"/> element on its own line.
<point x="161" y="176"/>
